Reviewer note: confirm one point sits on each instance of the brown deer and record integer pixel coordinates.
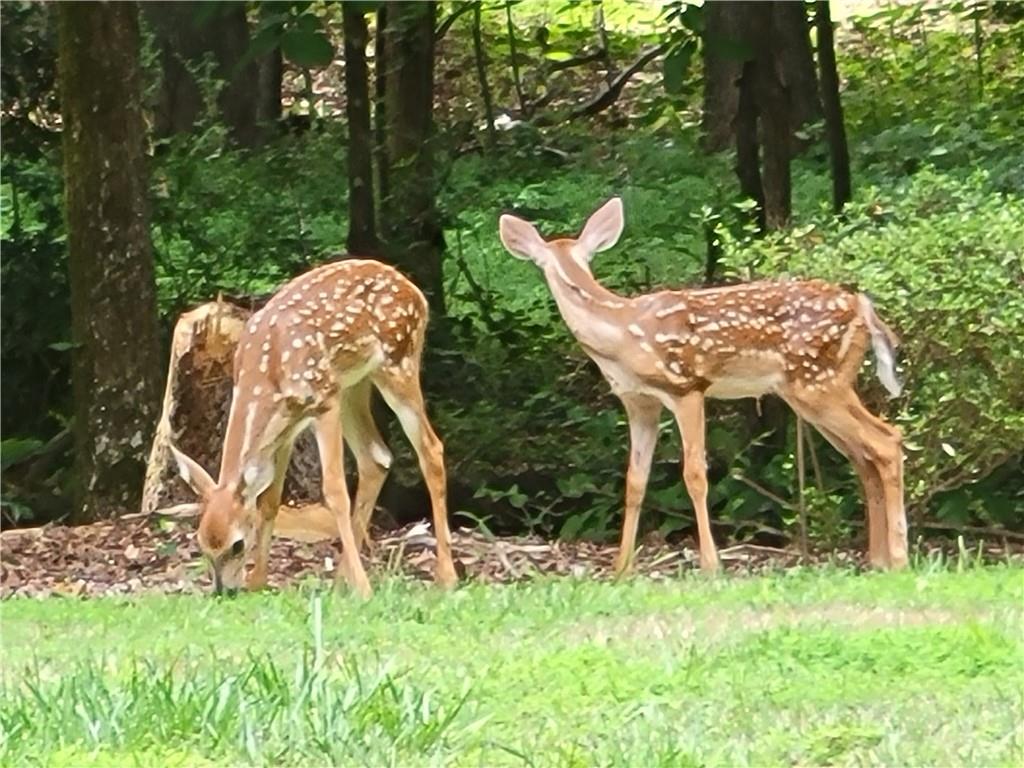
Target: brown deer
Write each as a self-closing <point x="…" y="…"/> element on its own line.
<point x="311" y="356"/>
<point x="802" y="340"/>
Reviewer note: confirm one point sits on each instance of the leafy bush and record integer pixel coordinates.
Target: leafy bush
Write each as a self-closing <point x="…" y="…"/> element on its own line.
<point x="244" y="222"/>
<point x="944" y="260"/>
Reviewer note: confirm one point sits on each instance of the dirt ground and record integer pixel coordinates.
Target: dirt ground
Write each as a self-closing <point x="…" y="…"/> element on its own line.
<point x="148" y="553"/>
<point x="139" y="553"/>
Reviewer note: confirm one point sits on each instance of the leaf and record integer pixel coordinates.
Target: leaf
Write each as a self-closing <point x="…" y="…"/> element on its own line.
<point x="692" y="18"/>
<point x="63" y="346"/>
<point x="677" y="62"/>
<point x="558" y="55"/>
<point x="16" y="450"/>
<point x="938" y="152"/>
<point x="948" y="449"/>
<point x="572" y="527"/>
<point x="306" y="48"/>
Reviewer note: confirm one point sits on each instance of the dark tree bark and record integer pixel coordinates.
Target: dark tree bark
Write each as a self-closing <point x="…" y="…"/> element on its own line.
<point x="762" y="126"/>
<point x="380" y="68"/>
<point x="271" y="74"/>
<point x="116" y="360"/>
<point x="835" y="128"/>
<point x="481" y="73"/>
<point x="184" y="41"/>
<point x="513" y="54"/>
<point x="773" y="109"/>
<point x="794" y="62"/>
<point x="748" y="162"/>
<point x="723" y="23"/>
<point x="413" y="237"/>
<point x="725" y="26"/>
<point x="362" y="226"/>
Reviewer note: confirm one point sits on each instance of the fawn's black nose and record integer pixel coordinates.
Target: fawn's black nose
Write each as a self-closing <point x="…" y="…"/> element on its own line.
<point x="218" y="586"/>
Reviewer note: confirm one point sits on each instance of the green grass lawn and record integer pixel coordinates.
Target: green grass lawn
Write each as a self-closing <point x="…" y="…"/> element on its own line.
<point x="807" y="667"/>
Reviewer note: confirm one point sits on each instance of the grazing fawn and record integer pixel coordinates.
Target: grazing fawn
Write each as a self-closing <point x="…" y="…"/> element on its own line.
<point x="802" y="340"/>
<point x="311" y="356"/>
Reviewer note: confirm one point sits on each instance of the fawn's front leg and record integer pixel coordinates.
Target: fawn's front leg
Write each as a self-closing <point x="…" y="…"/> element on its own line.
<point x="329" y="443"/>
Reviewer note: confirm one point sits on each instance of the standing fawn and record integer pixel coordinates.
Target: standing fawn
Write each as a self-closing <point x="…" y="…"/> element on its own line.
<point x="310" y="356"/>
<point x="802" y="340"/>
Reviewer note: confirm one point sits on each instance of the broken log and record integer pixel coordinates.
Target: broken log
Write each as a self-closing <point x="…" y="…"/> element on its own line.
<point x="194" y="417"/>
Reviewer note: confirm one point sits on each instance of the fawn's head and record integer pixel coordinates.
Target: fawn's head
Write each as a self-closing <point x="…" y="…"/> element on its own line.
<point x="601" y="232"/>
<point x="228" y="517"/>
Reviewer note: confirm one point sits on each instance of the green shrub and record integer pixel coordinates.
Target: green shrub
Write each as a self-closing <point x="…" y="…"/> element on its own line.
<point x="943" y="259"/>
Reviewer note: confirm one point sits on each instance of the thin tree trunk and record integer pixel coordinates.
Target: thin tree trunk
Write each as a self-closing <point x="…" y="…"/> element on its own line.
<point x="513" y="52"/>
<point x="835" y="128"/>
<point x="794" y="61"/>
<point x="481" y="73"/>
<point x="271" y="76"/>
<point x="362" y="227"/>
<point x="748" y="163"/>
<point x="773" y="106"/>
<point x="413" y="236"/>
<point x="723" y="23"/>
<point x="116" y="361"/>
<point x="239" y="100"/>
<point x="606" y="48"/>
<point x="380" y="69"/>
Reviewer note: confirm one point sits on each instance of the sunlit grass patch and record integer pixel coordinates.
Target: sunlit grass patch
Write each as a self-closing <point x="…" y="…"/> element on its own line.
<point x="809" y="666"/>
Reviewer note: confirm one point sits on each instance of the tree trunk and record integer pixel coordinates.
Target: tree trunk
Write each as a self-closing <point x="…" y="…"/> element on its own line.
<point x="116" y="364"/>
<point x="748" y="163"/>
<point x="723" y="24"/>
<point x="773" y="109"/>
<point x="794" y="63"/>
<point x="413" y="237"/>
<point x="380" y="128"/>
<point x="762" y="118"/>
<point x="787" y="31"/>
<point x="362" y="227"/>
<point x="481" y="73"/>
<point x="513" y="55"/>
<point x="271" y="74"/>
<point x="835" y="128"/>
<point x="184" y="40"/>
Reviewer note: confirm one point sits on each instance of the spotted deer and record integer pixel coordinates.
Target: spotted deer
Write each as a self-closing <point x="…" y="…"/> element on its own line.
<point x="802" y="340"/>
<point x="310" y="357"/>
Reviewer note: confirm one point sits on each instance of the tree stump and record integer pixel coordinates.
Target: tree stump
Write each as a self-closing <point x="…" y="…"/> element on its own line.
<point x="194" y="417"/>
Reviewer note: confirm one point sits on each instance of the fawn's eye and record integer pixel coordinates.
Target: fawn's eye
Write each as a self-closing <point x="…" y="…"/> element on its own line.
<point x="238" y="548"/>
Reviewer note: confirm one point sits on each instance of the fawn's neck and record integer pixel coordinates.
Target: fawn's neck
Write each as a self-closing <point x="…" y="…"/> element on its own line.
<point x="595" y="315"/>
<point x="255" y="428"/>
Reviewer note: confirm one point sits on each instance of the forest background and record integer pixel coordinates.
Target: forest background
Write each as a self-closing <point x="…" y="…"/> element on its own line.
<point x="879" y="148"/>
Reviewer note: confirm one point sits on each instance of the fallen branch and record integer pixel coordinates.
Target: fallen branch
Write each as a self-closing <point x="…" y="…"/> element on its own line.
<point x="611" y="94"/>
<point x="578" y="60"/>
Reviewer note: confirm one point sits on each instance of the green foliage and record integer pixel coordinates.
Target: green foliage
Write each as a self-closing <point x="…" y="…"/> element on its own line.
<point x="244" y="222"/>
<point x="763" y="670"/>
<point x="35" y="311"/>
<point x="944" y="260"/>
<point x="533" y="437"/>
<point x="295" y="27"/>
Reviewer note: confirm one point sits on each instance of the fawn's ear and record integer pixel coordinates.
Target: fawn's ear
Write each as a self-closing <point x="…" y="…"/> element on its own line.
<point x="521" y="239"/>
<point x="603" y="228"/>
<point x="193" y="474"/>
<point x="256" y="478"/>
